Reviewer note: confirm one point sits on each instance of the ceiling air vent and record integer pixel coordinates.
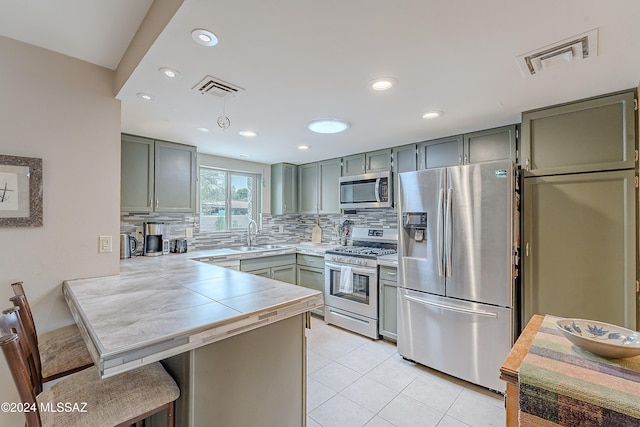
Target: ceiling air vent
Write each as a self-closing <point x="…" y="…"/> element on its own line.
<point x="217" y="87"/>
<point x="582" y="46"/>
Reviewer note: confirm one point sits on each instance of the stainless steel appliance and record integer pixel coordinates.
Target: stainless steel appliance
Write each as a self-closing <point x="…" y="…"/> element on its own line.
<point x="128" y="246"/>
<point x="351" y="280"/>
<point x="456" y="269"/>
<point x="152" y="238"/>
<point x="372" y="190"/>
<point x="178" y="246"/>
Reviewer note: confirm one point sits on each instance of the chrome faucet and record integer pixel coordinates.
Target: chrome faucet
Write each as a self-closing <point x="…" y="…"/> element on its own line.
<point x="249" y="231"/>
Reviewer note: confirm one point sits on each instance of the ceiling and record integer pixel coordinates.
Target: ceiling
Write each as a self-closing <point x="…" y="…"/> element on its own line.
<point x="298" y="60"/>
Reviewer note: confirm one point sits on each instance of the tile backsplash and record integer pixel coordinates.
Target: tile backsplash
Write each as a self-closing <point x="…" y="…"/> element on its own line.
<point x="295" y="228"/>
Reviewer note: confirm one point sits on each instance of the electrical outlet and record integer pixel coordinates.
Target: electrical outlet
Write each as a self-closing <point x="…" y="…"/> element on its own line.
<point x="281" y="228"/>
<point x="188" y="232"/>
<point x="105" y="245"/>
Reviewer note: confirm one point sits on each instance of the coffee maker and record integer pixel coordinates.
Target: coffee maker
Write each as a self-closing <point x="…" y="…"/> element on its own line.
<point x="152" y="238"/>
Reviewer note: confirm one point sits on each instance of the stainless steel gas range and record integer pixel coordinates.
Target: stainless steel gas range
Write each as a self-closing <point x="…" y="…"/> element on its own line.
<point x="351" y="279"/>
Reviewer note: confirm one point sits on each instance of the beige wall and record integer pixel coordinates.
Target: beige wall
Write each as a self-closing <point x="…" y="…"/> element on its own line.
<point x="63" y="111"/>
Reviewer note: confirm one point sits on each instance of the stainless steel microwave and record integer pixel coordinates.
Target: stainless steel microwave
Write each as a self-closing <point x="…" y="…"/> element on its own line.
<point x="371" y="190"/>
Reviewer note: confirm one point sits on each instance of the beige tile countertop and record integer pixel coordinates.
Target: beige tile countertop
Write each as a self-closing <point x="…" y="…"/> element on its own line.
<point x="161" y="306"/>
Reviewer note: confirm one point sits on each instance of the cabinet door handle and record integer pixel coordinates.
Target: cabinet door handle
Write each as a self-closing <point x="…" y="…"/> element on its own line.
<point x="389" y="273"/>
<point x="157" y="203"/>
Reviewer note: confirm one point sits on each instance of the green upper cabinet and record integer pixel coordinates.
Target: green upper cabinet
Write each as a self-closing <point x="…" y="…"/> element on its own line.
<point x="441" y="152"/>
<point x="329" y="186"/>
<point x="374" y="161"/>
<point x="589" y="135"/>
<point x="136" y="166"/>
<point x="405" y="159"/>
<point x="378" y="161"/>
<point x="157" y="176"/>
<point x="491" y="144"/>
<point x="475" y="147"/>
<point x="318" y="185"/>
<point x="284" y="189"/>
<point x="308" y="188"/>
<point x="353" y="165"/>
<point x="175" y="177"/>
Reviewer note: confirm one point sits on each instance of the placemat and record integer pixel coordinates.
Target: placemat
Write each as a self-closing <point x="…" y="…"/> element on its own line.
<point x="563" y="385"/>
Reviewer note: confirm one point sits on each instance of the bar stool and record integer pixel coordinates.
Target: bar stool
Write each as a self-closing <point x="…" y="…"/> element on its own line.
<point x="122" y="400"/>
<point x="61" y="351"/>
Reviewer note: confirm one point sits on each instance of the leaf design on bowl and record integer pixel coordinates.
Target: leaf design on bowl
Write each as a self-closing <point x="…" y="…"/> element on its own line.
<point x="627" y="340"/>
<point x="576" y="328"/>
<point x="614" y="336"/>
<point x="594" y="330"/>
<point x="567" y="328"/>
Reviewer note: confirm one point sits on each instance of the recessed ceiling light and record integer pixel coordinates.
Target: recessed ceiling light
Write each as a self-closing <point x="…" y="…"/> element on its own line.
<point x="170" y="73"/>
<point x="248" y="133"/>
<point x="303" y="147"/>
<point x="328" y="125"/>
<point x="145" y="96"/>
<point x="204" y="37"/>
<point x="432" y="114"/>
<point x="203" y="129"/>
<point x="383" y="83"/>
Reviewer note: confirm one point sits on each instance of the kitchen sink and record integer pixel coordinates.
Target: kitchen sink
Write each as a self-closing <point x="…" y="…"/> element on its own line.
<point x="249" y="248"/>
<point x="275" y="246"/>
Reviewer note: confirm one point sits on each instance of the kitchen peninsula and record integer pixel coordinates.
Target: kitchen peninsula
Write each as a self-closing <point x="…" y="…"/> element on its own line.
<point x="232" y="341"/>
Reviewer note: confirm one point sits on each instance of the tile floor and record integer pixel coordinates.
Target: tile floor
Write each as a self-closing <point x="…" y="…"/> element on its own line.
<point x="354" y="381"/>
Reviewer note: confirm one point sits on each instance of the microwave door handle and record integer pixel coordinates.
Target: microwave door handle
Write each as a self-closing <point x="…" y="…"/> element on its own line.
<point x="377" y="189"/>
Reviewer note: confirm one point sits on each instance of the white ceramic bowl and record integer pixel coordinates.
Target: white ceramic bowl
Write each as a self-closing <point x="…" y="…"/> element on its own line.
<point x="603" y="339"/>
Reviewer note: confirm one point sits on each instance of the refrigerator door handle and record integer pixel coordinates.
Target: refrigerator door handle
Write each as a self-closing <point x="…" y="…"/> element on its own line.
<point x="451" y="308"/>
<point x="439" y="231"/>
<point x="448" y="231"/>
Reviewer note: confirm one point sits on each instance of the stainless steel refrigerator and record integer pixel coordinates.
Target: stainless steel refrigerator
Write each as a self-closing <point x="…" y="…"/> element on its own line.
<point x="457" y="256"/>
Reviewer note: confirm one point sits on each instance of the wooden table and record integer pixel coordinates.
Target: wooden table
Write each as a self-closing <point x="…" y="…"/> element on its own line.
<point x="511" y="365"/>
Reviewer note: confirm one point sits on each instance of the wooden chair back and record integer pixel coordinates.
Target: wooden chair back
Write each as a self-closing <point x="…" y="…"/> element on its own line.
<point x="30" y="338"/>
<point x="18" y="366"/>
<point x="10" y="323"/>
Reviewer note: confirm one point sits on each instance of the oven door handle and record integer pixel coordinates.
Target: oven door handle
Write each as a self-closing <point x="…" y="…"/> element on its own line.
<point x="357" y="270"/>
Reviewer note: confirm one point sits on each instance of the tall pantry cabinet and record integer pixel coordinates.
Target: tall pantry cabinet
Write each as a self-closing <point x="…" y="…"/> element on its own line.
<point x="580" y="195"/>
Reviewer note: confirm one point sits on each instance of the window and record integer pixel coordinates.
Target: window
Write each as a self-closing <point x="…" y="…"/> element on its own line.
<point x="228" y="200"/>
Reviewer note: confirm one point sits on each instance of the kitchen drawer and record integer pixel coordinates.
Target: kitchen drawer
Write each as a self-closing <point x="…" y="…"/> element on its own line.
<point x="311" y="261"/>
<point x="388" y="273"/>
<point x="267" y="262"/>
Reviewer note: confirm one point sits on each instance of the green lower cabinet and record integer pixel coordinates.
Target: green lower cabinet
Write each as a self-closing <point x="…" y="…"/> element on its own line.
<point x="285" y="273"/>
<point x="388" y="304"/>
<point x="310" y="274"/>
<point x="277" y="267"/>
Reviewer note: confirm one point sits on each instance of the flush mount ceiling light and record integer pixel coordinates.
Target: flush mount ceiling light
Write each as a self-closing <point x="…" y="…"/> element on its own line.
<point x="248" y="133"/>
<point x="145" y="96"/>
<point x="170" y="73"/>
<point x="383" y="83"/>
<point x="204" y="37"/>
<point x="328" y="125"/>
<point x="303" y="147"/>
<point x="432" y="114"/>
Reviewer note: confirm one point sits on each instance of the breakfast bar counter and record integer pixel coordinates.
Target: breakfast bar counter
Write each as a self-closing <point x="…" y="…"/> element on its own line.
<point x="206" y="323"/>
